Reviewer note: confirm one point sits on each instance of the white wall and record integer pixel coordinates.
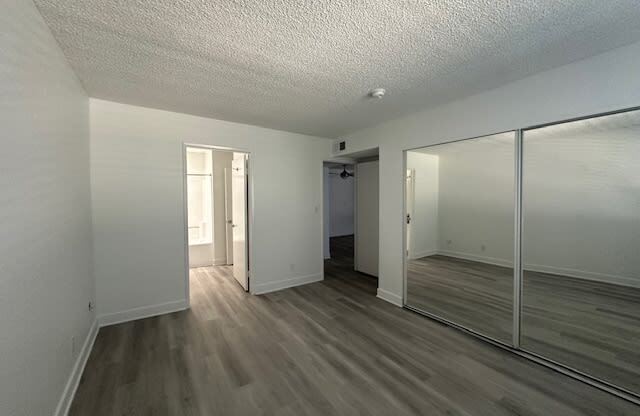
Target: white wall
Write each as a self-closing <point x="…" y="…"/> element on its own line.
<point x="476" y="198"/>
<point x="341" y="204"/>
<point x="581" y="199"/>
<point x="45" y="224"/>
<point x="136" y="162"/>
<point x="602" y="83"/>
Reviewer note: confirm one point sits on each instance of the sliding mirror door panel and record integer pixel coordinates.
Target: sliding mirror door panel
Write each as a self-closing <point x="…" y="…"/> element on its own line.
<point x="460" y="233"/>
<point x="581" y="246"/>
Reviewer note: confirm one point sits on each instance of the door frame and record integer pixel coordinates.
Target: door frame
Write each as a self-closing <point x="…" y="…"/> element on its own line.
<point x="250" y="209"/>
<point x="352" y="158"/>
<point x="227" y="214"/>
<point x="341" y="161"/>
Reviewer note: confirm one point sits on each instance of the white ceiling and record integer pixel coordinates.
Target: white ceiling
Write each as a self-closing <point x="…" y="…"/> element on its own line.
<point x="306" y="66"/>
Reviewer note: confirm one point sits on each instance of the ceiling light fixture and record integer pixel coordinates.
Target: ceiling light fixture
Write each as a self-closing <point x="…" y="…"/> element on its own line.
<point x="377" y="93"/>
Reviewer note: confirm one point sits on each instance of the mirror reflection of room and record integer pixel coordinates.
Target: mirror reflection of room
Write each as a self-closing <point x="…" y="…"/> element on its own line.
<point x="460" y="222"/>
<point x="581" y="246"/>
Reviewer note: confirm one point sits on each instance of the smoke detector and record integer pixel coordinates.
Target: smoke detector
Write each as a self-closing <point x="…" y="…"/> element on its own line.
<point x="377" y="93"/>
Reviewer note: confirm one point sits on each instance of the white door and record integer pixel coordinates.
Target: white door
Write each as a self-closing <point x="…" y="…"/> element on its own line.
<point x="239" y="217"/>
<point x="409" y="192"/>
<point x="228" y="215"/>
<point x="367" y="204"/>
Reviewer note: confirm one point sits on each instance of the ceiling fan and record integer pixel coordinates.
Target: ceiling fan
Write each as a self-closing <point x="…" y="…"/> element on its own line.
<point x="344" y="174"/>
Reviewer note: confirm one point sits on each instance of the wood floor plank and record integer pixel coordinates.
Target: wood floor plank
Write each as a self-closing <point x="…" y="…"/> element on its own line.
<point x="328" y="348"/>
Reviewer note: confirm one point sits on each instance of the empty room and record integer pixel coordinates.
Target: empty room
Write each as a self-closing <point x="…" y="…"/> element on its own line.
<point x="319" y="208"/>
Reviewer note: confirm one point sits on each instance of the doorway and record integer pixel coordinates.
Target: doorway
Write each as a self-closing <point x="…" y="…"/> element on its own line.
<point x="350" y="220"/>
<point x="217" y="215"/>
<point x="340" y="214"/>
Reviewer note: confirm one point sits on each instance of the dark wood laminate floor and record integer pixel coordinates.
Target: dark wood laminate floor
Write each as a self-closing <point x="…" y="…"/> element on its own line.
<point x="591" y="326"/>
<point x="327" y="348"/>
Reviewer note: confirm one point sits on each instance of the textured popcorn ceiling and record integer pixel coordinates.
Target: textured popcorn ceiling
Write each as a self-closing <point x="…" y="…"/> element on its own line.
<point x="306" y="66"/>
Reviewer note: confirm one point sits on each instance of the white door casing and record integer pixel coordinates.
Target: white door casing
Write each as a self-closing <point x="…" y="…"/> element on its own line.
<point x="228" y="215"/>
<point x="239" y="218"/>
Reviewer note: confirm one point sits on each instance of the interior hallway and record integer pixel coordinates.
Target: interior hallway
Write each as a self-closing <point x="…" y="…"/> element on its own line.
<point x="341" y="266"/>
<point x="328" y="348"/>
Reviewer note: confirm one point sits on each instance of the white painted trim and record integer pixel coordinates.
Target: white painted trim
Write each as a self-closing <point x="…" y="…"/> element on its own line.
<point x="583" y="274"/>
<point x="71" y="387"/>
<point x="222" y="261"/>
<point x="415" y="256"/>
<point x="355" y="217"/>
<point x="405" y="248"/>
<point x="578" y="274"/>
<point x="215" y="262"/>
<point x="474" y="257"/>
<point x="142" y="312"/>
<point x="259" y="289"/>
<point x="390" y="297"/>
<point x="185" y="222"/>
<point x="204" y="264"/>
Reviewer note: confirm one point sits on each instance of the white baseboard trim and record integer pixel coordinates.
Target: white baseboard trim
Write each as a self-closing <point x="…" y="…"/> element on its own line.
<point x="474" y="257"/>
<point x="142" y="312"/>
<point x="76" y="372"/>
<point x="578" y="274"/>
<point x="585" y="275"/>
<point x="260" y="289"/>
<point x="415" y="256"/>
<point x="220" y="262"/>
<point x="204" y="264"/>
<point x="214" y="262"/>
<point x="390" y="297"/>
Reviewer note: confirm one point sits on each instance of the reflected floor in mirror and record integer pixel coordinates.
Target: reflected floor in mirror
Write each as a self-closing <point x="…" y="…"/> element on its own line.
<point x="591" y="326"/>
<point x="475" y="295"/>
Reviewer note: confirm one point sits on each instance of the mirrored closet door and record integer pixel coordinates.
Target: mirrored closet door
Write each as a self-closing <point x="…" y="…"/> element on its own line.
<point x="460" y="233"/>
<point x="581" y="246"/>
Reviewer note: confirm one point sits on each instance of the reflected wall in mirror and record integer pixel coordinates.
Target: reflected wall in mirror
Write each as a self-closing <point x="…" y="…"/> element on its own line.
<point x="581" y="246"/>
<point x="460" y="230"/>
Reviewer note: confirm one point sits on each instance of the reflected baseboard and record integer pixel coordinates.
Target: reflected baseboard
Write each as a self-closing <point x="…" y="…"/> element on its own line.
<point x="578" y="274"/>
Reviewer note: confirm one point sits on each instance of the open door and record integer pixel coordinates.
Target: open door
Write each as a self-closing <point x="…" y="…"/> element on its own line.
<point x="367" y="217"/>
<point x="228" y="215"/>
<point x="239" y="218"/>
